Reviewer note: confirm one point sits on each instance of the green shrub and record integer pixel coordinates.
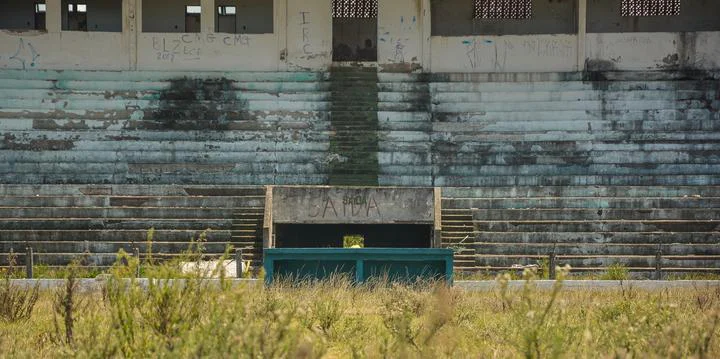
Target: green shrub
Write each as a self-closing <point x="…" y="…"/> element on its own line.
<point x="616" y="271"/>
<point x="353" y="240"/>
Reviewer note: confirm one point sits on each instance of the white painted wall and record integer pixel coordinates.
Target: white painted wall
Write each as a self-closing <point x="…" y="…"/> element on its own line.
<point x="309" y="35"/>
<point x="63" y="50"/>
<point x="207" y="52"/>
<point x="399" y="35"/>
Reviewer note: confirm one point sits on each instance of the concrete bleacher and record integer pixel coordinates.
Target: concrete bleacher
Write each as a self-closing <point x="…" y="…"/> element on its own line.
<point x="602" y="167"/>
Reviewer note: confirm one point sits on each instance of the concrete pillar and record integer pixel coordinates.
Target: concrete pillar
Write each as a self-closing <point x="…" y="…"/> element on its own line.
<point x="437" y="220"/>
<point x="425" y="26"/>
<point x="268" y="240"/>
<point x="280" y="30"/>
<point x="53" y="15"/>
<point x="130" y="29"/>
<point x="582" y="31"/>
<point x="207" y="17"/>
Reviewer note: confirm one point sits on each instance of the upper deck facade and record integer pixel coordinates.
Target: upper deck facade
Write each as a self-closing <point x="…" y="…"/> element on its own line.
<point x="397" y="35"/>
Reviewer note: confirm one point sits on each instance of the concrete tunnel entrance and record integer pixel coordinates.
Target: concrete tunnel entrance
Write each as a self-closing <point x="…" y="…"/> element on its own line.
<point x="321" y="216"/>
<point x="331" y="235"/>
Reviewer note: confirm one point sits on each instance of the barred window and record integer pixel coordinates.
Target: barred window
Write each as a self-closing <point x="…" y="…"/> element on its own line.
<point x="650" y="8"/>
<point x="503" y="9"/>
<point x="366" y="9"/>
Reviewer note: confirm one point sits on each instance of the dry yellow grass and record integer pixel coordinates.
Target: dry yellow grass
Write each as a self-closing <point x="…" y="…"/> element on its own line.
<point x="334" y="319"/>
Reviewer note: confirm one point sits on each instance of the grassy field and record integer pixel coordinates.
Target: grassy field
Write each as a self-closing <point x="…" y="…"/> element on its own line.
<point x="334" y="319"/>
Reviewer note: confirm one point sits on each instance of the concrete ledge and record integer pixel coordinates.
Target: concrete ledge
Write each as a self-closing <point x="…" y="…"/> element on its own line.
<point x="592" y="284"/>
<point x="94" y="284"/>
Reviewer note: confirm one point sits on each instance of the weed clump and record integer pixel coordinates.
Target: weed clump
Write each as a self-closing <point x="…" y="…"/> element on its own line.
<point x="16" y="302"/>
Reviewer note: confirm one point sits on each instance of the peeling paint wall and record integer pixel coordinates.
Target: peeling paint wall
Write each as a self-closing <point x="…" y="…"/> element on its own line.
<point x="211" y="52"/>
<point x="509" y="53"/>
<point x="653" y="51"/>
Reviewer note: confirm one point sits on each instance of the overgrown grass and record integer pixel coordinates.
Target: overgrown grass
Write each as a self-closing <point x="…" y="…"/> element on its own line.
<point x="335" y="319"/>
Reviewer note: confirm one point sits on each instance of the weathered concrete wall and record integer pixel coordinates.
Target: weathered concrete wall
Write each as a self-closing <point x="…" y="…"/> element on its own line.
<point x="695" y="15"/>
<point x="653" y="51"/>
<point x="63" y="50"/>
<point x="399" y="35"/>
<point x="510" y="53"/>
<point x="302" y="40"/>
<point x="352" y="205"/>
<point x="455" y="18"/>
<point x="308" y="43"/>
<point x="209" y="52"/>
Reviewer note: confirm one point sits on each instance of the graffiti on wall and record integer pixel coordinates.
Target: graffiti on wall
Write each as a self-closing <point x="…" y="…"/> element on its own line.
<point x="493" y="53"/>
<point x="192" y="47"/>
<point x="24" y="56"/>
<point x="305" y="31"/>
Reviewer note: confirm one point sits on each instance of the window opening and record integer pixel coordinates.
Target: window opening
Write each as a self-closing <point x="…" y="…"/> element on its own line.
<point x="77" y="17"/>
<point x="192" y="18"/>
<point x="226" y="19"/>
<point x="503" y="9"/>
<point x="650" y="8"/>
<point x="40" y="10"/>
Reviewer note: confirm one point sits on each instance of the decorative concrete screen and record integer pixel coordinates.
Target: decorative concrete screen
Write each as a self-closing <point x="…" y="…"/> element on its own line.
<point x="650" y="8"/>
<point x="503" y="9"/>
<point x="352" y="205"/>
<point x="363" y="9"/>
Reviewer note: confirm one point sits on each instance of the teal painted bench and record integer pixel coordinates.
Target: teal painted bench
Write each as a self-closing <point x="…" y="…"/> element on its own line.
<point x="360" y="264"/>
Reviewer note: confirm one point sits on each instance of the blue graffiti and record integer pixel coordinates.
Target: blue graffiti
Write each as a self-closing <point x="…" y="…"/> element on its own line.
<point x="25" y="54"/>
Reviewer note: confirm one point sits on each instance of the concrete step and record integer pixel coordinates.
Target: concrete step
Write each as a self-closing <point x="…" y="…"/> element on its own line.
<point x="92" y="76"/>
<point x="597" y="127"/>
<point x="567" y="114"/>
<point x="113" y="224"/>
<point x="595" y="203"/>
<point x="596" y="105"/>
<point x="667" y="225"/>
<point x="164" y="95"/>
<point x="535" y="86"/>
<point x="631" y="262"/>
<point x="607" y="214"/>
<point x="146" y="105"/>
<point x="450" y="193"/>
<point x="588" y="249"/>
<point x="111" y="247"/>
<point x="110" y="202"/>
<point x="551" y="96"/>
<point x="571" y="238"/>
<point x="139" y="213"/>
<point x="133" y="190"/>
<point x="110" y="235"/>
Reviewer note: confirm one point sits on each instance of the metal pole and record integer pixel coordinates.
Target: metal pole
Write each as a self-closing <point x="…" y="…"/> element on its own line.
<point x="658" y="263"/>
<point x="136" y="253"/>
<point x="29" y="262"/>
<point x="552" y="263"/>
